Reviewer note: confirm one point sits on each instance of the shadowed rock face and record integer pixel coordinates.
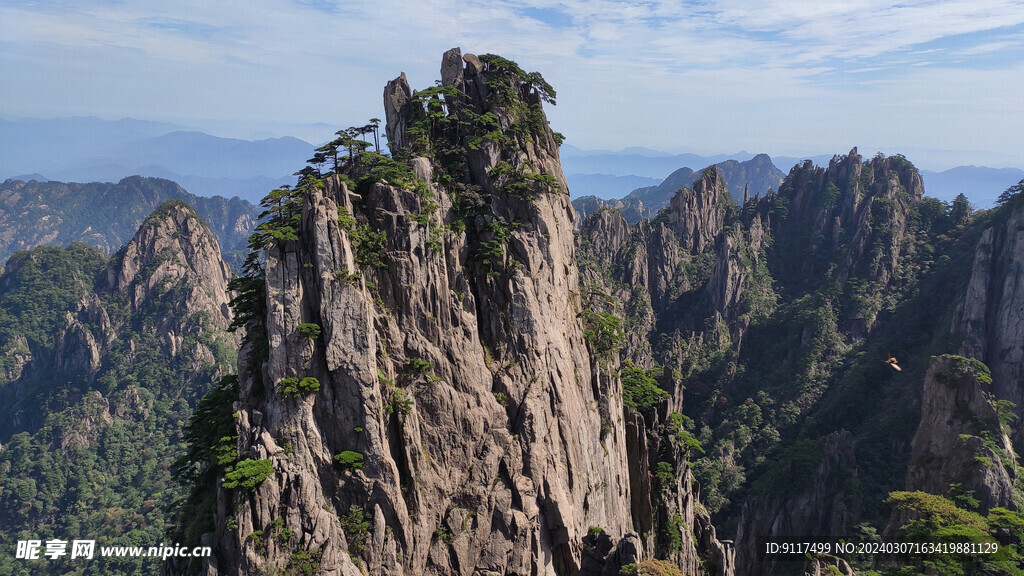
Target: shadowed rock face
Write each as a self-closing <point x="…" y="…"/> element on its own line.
<point x="491" y="436"/>
<point x="820" y="506"/>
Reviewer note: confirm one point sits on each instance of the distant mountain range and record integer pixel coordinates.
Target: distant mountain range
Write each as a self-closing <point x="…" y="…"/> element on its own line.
<point x="980" y="184"/>
<point x="95" y="150"/>
<point x="754" y="177"/>
<point x="609" y="175"/>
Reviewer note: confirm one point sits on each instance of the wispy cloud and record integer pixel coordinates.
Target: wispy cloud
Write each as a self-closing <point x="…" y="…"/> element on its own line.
<point x="655" y="72"/>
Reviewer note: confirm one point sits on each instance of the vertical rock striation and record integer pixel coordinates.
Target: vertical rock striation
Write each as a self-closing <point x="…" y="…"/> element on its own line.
<point x="463" y="424"/>
<point x="991" y="315"/>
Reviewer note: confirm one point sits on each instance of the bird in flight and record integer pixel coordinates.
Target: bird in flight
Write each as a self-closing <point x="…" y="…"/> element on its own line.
<point x="892" y="364"/>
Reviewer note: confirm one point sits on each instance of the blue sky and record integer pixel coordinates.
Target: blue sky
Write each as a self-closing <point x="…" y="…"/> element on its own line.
<point x="941" y="82"/>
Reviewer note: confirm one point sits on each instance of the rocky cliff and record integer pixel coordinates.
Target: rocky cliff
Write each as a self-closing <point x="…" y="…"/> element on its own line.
<point x="960" y="444"/>
<point x="990" y="318"/>
<point x="775" y="318"/>
<point x="168" y="283"/>
<point x="458" y="412"/>
<point x="174" y="258"/>
<point x="811" y="498"/>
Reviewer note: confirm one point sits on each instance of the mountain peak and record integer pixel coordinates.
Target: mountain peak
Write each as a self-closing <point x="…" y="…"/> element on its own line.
<point x="174" y="248"/>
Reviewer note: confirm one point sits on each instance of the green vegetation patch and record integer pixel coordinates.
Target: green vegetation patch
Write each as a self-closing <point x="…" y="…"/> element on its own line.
<point x="349" y="459"/>
<point x="248" y="474"/>
<point x="639" y="391"/>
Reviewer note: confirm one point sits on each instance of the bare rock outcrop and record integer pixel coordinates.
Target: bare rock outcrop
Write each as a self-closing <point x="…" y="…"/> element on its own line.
<point x="462" y="422"/>
<point x="960" y="440"/>
<point x="174" y="261"/>
<point x="465" y="387"/>
<point x="397" y="109"/>
<point x="451" y="67"/>
<point x="991" y="315"/>
<point x="696" y="214"/>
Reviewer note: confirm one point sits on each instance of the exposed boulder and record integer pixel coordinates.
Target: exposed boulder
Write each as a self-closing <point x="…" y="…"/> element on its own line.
<point x="474" y="66"/>
<point x="451" y="68"/>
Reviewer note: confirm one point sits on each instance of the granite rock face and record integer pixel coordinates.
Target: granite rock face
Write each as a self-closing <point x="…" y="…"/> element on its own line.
<point x="397" y="107"/>
<point x="174" y="247"/>
<point x="696" y="214"/>
<point x="957" y="414"/>
<point x="490" y="433"/>
<point x="991" y="315"/>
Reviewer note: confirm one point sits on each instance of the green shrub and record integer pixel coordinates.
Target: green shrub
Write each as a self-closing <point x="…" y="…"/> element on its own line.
<point x="443" y="534"/>
<point x="1005" y="409"/>
<point x="288" y="387"/>
<point x="651" y="568"/>
<point x="665" y="474"/>
<point x="349" y="459"/>
<point x="309" y="384"/>
<point x="420" y="366"/>
<point x="356" y="526"/>
<point x="310" y="331"/>
<point x="502" y="398"/>
<point x="639" y="391"/>
<point x="293" y="387"/>
<point x="603" y="330"/>
<point x="974" y="367"/>
<point x="248" y="474"/>
<point x="399" y="403"/>
<point x="674" y="534"/>
<point x="303" y="563"/>
<point x="370" y="247"/>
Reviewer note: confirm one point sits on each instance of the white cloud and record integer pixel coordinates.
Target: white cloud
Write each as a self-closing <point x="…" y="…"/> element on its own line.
<point x="702" y="74"/>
